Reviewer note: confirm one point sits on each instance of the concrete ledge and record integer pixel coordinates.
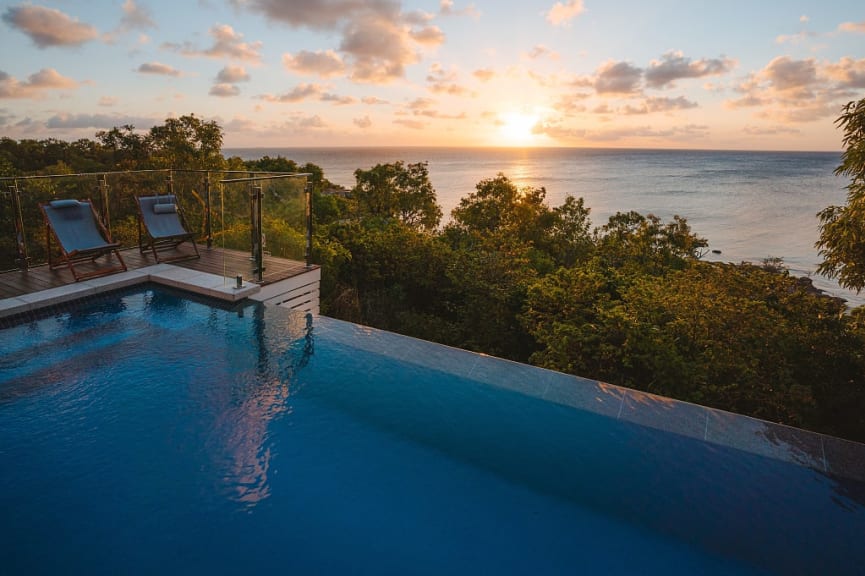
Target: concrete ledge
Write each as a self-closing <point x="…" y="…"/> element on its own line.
<point x="202" y="283"/>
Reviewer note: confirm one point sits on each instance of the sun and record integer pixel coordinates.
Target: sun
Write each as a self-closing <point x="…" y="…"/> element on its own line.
<point x="518" y="127"/>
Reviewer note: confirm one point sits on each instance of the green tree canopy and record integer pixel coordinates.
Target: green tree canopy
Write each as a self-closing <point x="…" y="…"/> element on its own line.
<point x="842" y="228"/>
<point x="398" y="190"/>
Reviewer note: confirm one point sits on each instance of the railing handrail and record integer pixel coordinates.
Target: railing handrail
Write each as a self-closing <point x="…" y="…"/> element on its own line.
<point x="150" y="171"/>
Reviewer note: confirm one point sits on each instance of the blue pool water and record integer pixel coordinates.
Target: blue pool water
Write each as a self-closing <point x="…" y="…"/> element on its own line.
<point x="142" y="432"/>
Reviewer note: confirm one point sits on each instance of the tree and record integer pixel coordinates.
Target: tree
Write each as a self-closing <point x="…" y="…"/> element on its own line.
<point x="187" y="142"/>
<point x="842" y="228"/>
<point x="398" y="190"/>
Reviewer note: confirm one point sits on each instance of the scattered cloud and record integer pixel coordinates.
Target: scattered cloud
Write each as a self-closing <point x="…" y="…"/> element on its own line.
<point x="446" y="8"/>
<point x="100" y="121"/>
<point x="377" y="39"/>
<point x="135" y="17"/>
<point x="653" y="104"/>
<point x="788" y="90"/>
<point x="855" y="27"/>
<point x="362" y="123"/>
<point x="299" y="93"/>
<point x="675" y="66"/>
<point x="373" y="101"/>
<point x="35" y="85"/>
<point x="769" y="130"/>
<point x="541" y="51"/>
<point x="804" y="19"/>
<point x="107" y="101"/>
<point x="796" y="38"/>
<point x="224" y="90"/>
<point x="324" y="63"/>
<point x="49" y="27"/>
<point x="226" y="44"/>
<point x="562" y="13"/>
<point x="484" y="74"/>
<point x="232" y="75"/>
<point x="158" y="68"/>
<point x="443" y="81"/>
<point x="409" y="123"/>
<point x="617" y="78"/>
<point x="337" y="99"/>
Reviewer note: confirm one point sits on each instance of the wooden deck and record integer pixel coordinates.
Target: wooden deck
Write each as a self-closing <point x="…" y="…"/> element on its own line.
<point x="220" y="261"/>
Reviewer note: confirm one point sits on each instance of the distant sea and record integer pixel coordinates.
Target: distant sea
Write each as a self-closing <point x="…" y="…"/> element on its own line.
<point x="748" y="205"/>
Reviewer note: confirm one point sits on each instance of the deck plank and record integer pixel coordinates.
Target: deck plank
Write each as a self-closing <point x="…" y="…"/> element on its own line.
<point x="220" y="261"/>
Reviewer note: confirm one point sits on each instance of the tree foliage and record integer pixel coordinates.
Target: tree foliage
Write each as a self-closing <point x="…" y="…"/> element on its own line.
<point x="842" y="228"/>
<point x="398" y="190"/>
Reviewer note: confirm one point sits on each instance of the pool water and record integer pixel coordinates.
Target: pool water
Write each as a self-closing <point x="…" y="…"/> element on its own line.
<point x="145" y="432"/>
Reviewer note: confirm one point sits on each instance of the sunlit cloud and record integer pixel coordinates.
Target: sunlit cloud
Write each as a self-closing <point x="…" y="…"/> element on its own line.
<point x="35" y="85"/>
<point x="788" y="90"/>
<point x="377" y="40"/>
<point x="324" y="63"/>
<point x="49" y="27"/>
<point x="446" y="8"/>
<point x="337" y="99"/>
<point x="362" y="123"/>
<point x="107" y="101"/>
<point x="653" y="104"/>
<point x="98" y="121"/>
<point x="373" y="101"/>
<point x="484" y="74"/>
<point x="562" y="13"/>
<point x="443" y="81"/>
<point x="675" y="66"/>
<point x="854" y="27"/>
<point x="410" y="123"/>
<point x="540" y="51"/>
<point x="226" y="44"/>
<point x="224" y="90"/>
<point x="232" y="75"/>
<point x="159" y="69"/>
<point x="617" y="78"/>
<point x="136" y="17"/>
<point x="299" y="93"/>
<point x="769" y="130"/>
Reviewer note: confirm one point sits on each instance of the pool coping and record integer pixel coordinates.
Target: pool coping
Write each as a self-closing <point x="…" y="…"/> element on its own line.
<point x="203" y="283"/>
<point x="830" y="455"/>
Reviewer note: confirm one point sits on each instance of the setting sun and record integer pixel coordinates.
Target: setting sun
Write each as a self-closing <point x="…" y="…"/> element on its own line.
<point x="516" y="127"/>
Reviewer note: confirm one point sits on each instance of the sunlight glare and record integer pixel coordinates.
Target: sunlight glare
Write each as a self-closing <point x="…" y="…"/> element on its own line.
<point x="516" y="127"/>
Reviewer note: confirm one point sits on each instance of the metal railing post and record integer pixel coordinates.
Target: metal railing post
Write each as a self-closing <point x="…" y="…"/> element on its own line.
<point x="257" y="231"/>
<point x="22" y="259"/>
<point x="308" y="222"/>
<point x="208" y="226"/>
<point x="102" y="185"/>
<point x="169" y="182"/>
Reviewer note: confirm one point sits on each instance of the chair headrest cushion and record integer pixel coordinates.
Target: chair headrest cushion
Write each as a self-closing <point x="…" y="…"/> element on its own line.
<point x="164" y="208"/>
<point x="64" y="203"/>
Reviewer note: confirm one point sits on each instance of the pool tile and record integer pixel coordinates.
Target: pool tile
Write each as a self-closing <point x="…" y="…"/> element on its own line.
<point x="844" y="458"/>
<point x="765" y="438"/>
<point x="664" y="414"/>
<point x="585" y="394"/>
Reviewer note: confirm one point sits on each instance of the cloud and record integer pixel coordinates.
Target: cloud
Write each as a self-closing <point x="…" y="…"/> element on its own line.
<point x="855" y="27"/>
<point x="299" y="93"/>
<point x="653" y="104"/>
<point x="446" y="8"/>
<point x="49" y="27"/>
<point x="372" y="101"/>
<point x="226" y="44"/>
<point x="562" y="13"/>
<point x="794" y="38"/>
<point x="135" y="17"/>
<point x="444" y="81"/>
<point x="337" y="99"/>
<point x="36" y="84"/>
<point x="409" y="123"/>
<point x="617" y="78"/>
<point x="224" y="90"/>
<point x="769" y="130"/>
<point x="158" y="68"/>
<point x="484" y="74"/>
<point x="324" y="63"/>
<point x="675" y="66"/>
<point x="541" y="51"/>
<point x="232" y="75"/>
<point x="788" y="90"/>
<point x="100" y="121"/>
<point x="377" y="39"/>
<point x="362" y="123"/>
<point x="107" y="101"/>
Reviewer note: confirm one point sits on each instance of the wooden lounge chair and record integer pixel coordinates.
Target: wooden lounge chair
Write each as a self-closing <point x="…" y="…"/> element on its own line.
<point x="161" y="227"/>
<point x="80" y="236"/>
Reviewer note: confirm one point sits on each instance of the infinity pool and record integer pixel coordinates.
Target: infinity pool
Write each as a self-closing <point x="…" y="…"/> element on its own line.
<point x="144" y="432"/>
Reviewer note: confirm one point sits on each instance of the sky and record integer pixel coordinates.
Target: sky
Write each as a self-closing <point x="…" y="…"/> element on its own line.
<point x="768" y="75"/>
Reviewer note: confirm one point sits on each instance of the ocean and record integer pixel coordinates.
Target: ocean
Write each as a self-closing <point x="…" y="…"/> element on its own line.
<point x="748" y="205"/>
